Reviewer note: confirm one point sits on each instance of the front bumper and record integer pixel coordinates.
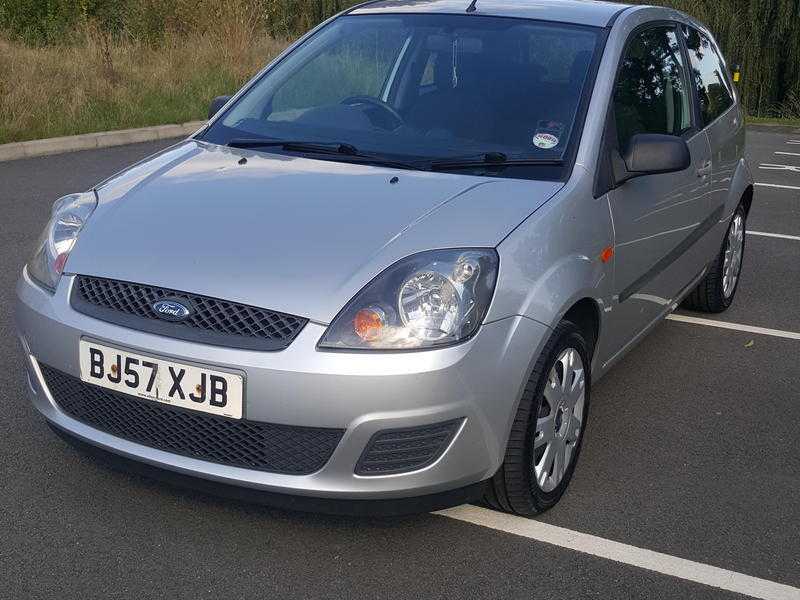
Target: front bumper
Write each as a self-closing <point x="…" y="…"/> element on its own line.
<point x="479" y="382"/>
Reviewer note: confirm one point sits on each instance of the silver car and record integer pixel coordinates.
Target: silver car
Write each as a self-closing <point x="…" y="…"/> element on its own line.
<point x="387" y="272"/>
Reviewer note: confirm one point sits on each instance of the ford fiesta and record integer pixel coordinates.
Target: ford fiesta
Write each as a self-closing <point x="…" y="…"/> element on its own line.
<point x="386" y="273"/>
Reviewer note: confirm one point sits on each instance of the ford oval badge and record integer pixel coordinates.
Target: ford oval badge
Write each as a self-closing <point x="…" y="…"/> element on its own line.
<point x="172" y="310"/>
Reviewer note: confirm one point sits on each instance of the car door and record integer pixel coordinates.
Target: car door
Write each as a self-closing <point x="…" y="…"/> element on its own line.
<point x="657" y="218"/>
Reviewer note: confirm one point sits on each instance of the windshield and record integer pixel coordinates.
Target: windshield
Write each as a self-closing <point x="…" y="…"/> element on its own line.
<point x="424" y="87"/>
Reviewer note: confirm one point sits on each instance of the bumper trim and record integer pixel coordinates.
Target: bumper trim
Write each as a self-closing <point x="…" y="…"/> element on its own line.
<point x="405" y="450"/>
<point x="332" y="506"/>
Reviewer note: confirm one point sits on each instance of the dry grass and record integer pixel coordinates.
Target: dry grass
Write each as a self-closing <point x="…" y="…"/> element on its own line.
<point x="98" y="83"/>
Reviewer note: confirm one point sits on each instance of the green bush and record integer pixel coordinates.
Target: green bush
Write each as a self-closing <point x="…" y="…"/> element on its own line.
<point x="763" y="36"/>
<point x="43" y="22"/>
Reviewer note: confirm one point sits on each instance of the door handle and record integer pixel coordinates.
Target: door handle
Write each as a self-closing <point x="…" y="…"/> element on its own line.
<point x="705" y="170"/>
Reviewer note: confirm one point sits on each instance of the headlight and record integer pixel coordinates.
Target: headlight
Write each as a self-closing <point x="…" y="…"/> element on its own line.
<point x="428" y="300"/>
<point x="70" y="214"/>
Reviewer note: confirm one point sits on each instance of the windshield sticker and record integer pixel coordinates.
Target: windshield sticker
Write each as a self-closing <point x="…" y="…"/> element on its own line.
<point x="545" y="141"/>
<point x="548" y="134"/>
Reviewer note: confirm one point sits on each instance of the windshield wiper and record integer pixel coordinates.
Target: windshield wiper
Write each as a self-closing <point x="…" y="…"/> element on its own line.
<point x="339" y="148"/>
<point x="490" y="159"/>
<point x="323" y="147"/>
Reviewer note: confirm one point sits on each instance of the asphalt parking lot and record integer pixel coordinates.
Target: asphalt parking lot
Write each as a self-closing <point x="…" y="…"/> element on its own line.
<point x="693" y="452"/>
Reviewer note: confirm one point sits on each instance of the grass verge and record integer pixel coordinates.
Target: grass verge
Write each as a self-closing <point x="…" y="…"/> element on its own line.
<point x="773" y="121"/>
<point x="101" y="84"/>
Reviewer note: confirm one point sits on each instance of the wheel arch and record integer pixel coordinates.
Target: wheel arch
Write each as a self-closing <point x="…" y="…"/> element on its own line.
<point x="747" y="199"/>
<point x="742" y="190"/>
<point x="585" y="313"/>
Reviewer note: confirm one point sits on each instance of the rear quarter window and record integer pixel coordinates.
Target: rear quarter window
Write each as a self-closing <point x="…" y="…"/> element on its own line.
<point x="713" y="88"/>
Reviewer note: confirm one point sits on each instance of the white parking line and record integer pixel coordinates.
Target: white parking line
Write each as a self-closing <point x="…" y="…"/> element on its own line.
<point x="625" y="554"/>
<point x="789" y="335"/>
<point x="793" y="142"/>
<point x="788" y="153"/>
<point x="780" y="187"/>
<point x="781" y="236"/>
<point x="774" y="167"/>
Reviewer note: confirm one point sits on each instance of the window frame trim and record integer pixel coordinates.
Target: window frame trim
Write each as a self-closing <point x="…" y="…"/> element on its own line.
<point x="604" y="180"/>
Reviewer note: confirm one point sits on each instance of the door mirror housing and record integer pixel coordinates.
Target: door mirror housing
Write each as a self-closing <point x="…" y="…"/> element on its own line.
<point x="652" y="154"/>
<point x="217" y="104"/>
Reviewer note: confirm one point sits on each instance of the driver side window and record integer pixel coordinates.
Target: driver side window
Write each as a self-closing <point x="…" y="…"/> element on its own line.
<point x="358" y="66"/>
<point x="651" y="95"/>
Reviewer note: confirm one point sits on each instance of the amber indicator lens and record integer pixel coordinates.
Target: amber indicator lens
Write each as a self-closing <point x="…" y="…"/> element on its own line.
<point x="369" y="324"/>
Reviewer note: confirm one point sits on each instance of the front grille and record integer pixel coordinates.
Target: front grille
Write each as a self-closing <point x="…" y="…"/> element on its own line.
<point x="404" y="450"/>
<point x="211" y="321"/>
<point x="247" y="444"/>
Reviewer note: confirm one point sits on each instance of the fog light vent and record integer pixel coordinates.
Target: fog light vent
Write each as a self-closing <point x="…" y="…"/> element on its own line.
<point x="404" y="450"/>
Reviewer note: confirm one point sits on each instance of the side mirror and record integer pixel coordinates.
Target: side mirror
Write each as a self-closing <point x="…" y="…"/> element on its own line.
<point x="652" y="154"/>
<point x="217" y="104"/>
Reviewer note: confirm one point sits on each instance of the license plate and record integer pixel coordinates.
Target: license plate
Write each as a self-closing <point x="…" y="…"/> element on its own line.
<point x="185" y="386"/>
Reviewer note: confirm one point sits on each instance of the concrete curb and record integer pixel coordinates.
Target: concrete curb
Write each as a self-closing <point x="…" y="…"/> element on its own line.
<point x="89" y="141"/>
<point x="773" y="127"/>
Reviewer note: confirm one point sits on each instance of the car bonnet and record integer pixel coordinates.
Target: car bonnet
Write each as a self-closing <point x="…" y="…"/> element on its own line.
<point x="292" y="234"/>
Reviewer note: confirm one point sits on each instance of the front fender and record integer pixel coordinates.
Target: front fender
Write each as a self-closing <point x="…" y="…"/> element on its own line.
<point x="553" y="259"/>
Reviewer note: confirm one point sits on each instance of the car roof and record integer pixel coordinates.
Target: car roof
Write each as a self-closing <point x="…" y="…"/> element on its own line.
<point x="581" y="12"/>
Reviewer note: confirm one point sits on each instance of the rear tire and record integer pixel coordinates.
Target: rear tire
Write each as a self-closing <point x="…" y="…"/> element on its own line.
<point x="716" y="291"/>
<point x="547" y="432"/>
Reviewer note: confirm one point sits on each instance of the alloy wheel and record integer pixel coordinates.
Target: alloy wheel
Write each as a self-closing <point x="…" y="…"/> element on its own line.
<point x="560" y="420"/>
<point x="734" y="252"/>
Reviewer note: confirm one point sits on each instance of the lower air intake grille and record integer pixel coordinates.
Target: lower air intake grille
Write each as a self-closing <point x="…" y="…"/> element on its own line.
<point x="247" y="444"/>
<point x="404" y="450"/>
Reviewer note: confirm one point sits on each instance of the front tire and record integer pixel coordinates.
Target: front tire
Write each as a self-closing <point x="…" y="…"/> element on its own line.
<point x="716" y="292"/>
<point x="547" y="432"/>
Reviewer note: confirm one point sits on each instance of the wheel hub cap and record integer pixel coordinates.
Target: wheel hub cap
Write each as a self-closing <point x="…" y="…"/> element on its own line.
<point x="560" y="420"/>
<point x="734" y="251"/>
